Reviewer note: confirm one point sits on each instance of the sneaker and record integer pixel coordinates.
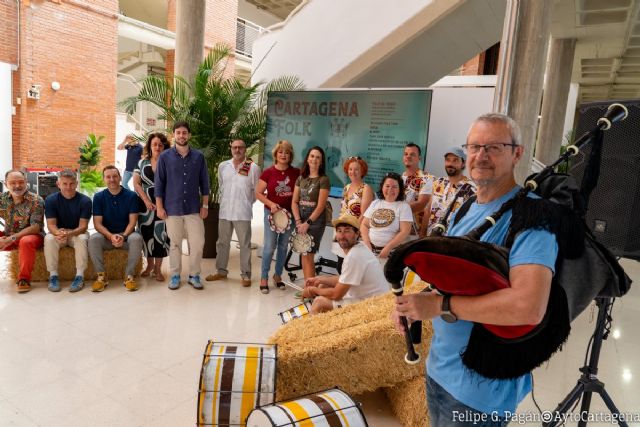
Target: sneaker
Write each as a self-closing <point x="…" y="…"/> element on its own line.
<point x="214" y="277"/>
<point x="77" y="284"/>
<point x="54" y="284"/>
<point x="174" y="283"/>
<point x="195" y="282"/>
<point x="100" y="283"/>
<point x="298" y="295"/>
<point x="23" y="286"/>
<point x="130" y="283"/>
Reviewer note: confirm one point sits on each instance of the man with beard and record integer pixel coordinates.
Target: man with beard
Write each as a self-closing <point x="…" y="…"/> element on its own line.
<point x="417" y="185"/>
<point x="454" y="188"/>
<point x="182" y="200"/>
<point x="23" y="215"/>
<point x="362" y="276"/>
<point x="237" y="178"/>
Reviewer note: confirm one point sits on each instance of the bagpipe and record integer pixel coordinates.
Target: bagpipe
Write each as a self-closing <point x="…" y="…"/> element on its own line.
<point x="464" y="265"/>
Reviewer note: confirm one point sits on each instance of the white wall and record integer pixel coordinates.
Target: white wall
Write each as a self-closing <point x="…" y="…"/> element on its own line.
<point x="335" y="31"/>
<point x="6" y="113"/>
<point x="452" y="111"/>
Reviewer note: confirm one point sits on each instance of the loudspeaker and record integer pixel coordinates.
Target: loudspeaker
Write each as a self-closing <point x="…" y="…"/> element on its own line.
<point x="613" y="213"/>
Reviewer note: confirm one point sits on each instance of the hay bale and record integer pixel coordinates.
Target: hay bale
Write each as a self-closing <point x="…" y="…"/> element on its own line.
<point x="355" y="348"/>
<point x="408" y="402"/>
<point x="115" y="263"/>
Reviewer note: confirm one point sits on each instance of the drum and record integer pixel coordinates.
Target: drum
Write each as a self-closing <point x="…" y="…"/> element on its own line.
<point x="234" y="379"/>
<point x="280" y="221"/>
<point x="301" y="243"/>
<point x="294" y="312"/>
<point x="330" y="408"/>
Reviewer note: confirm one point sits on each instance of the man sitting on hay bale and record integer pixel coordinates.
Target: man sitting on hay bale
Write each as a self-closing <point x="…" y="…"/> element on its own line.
<point x="362" y="276"/>
<point x="68" y="214"/>
<point x="115" y="215"/>
<point x="23" y="215"/>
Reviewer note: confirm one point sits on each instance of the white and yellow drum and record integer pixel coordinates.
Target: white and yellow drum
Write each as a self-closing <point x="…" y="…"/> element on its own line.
<point x="234" y="379"/>
<point x="330" y="408"/>
<point x="295" y="312"/>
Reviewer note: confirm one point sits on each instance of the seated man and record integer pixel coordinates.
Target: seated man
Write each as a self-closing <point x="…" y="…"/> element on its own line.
<point x="23" y="214"/>
<point x="362" y="276"/>
<point x="115" y="214"/>
<point x="68" y="213"/>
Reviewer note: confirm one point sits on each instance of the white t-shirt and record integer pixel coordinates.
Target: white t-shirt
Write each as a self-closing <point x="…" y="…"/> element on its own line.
<point x="384" y="220"/>
<point x="363" y="273"/>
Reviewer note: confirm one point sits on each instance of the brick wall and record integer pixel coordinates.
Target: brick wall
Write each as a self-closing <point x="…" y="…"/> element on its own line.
<point x="9" y="31"/>
<point x="74" y="43"/>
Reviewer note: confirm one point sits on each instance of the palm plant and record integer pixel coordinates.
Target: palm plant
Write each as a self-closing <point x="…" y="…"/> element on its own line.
<point x="218" y="108"/>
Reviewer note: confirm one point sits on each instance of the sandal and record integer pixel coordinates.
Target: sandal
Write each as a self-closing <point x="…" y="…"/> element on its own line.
<point x="146" y="272"/>
<point x="264" y="287"/>
<point x="159" y="276"/>
<point x="279" y="283"/>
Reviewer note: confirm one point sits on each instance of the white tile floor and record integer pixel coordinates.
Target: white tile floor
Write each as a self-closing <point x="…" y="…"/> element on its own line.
<point x="132" y="359"/>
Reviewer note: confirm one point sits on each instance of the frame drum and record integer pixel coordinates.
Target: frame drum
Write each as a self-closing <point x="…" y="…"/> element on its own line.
<point x="295" y="312"/>
<point x="234" y="379"/>
<point x="301" y="243"/>
<point x="329" y="408"/>
<point x="280" y="221"/>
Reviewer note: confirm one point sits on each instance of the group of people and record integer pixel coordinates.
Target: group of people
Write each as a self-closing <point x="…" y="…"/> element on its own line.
<point x="172" y="183"/>
<point x="172" y="186"/>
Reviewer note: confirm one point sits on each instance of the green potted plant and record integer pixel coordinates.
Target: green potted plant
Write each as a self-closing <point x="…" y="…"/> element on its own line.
<point x="219" y="109"/>
<point x="90" y="154"/>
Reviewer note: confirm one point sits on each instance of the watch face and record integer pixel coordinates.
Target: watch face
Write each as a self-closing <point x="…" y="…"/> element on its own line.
<point x="449" y="317"/>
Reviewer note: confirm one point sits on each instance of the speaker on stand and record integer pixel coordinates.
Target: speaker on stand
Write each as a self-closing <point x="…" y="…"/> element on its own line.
<point x="613" y="208"/>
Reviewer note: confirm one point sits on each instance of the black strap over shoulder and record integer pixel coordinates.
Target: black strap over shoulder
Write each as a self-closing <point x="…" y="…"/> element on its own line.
<point x="462" y="210"/>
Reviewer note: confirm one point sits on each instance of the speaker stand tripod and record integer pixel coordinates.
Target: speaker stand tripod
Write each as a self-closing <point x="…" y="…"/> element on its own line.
<point x="588" y="382"/>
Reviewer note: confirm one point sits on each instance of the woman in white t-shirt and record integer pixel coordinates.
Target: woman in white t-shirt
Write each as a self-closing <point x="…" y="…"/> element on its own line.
<point x="387" y="221"/>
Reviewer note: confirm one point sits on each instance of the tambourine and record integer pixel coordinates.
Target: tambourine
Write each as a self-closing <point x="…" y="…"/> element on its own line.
<point x="301" y="243"/>
<point x="280" y="221"/>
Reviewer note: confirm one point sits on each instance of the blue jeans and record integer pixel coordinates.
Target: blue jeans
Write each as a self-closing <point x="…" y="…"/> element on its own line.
<point x="273" y="240"/>
<point x="126" y="177"/>
<point x="445" y="410"/>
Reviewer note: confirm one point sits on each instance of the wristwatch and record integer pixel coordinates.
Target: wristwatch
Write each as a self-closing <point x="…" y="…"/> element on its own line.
<point x="447" y="315"/>
<point x="309" y="221"/>
<point x="13" y="238"/>
<point x="124" y="238"/>
<point x="205" y="206"/>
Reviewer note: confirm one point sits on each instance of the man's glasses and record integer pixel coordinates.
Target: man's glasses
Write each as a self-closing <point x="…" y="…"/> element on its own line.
<point x="493" y="148"/>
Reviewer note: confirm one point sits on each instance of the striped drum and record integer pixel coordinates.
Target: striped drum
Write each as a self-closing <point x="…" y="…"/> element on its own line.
<point x="330" y="408"/>
<point x="234" y="379"/>
<point x="294" y="312"/>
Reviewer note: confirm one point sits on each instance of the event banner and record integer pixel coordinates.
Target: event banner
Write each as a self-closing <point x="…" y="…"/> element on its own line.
<point x="372" y="124"/>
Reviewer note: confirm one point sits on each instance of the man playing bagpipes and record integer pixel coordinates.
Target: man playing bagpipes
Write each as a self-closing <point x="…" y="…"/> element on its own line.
<point x="456" y="394"/>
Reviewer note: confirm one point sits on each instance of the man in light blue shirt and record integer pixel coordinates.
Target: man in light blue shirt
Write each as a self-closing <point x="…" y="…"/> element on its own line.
<point x="456" y="394"/>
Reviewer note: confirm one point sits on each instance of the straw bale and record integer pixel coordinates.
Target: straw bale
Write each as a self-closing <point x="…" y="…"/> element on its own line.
<point x="115" y="263"/>
<point x="408" y="402"/>
<point x="356" y="348"/>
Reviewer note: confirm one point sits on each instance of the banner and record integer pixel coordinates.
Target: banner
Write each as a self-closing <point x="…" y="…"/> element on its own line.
<point x="372" y="124"/>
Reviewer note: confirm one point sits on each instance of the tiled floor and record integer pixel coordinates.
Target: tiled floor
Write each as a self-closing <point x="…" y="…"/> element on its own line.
<point x="132" y="359"/>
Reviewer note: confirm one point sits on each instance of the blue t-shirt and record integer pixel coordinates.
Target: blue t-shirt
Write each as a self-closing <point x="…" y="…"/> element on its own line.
<point x="134" y="153"/>
<point x="67" y="212"/>
<point x="115" y="210"/>
<point x="444" y="364"/>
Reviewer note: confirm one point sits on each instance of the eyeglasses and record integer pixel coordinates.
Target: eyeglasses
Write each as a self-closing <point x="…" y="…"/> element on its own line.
<point x="493" y="148"/>
<point x="354" y="158"/>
